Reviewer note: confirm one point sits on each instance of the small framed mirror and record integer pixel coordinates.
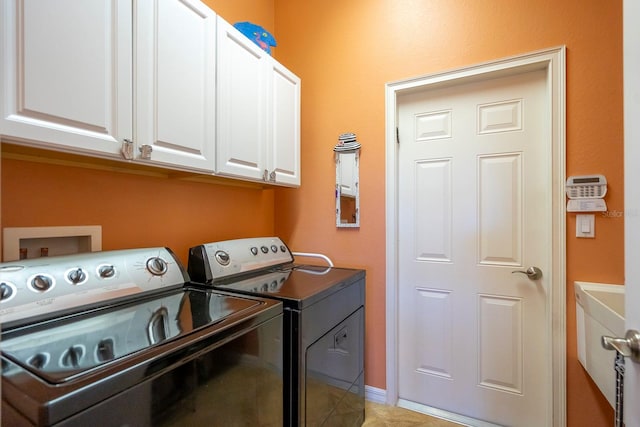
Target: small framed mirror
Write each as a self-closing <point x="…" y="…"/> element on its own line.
<point x="347" y="188"/>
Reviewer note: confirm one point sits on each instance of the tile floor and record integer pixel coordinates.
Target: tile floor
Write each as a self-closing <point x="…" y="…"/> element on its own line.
<point x="379" y="415"/>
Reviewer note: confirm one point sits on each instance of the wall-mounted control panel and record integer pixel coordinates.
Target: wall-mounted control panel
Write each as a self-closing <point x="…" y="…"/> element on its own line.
<point x="586" y="193"/>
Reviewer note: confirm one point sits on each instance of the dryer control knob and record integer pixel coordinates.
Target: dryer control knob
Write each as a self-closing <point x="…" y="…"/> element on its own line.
<point x="223" y="258"/>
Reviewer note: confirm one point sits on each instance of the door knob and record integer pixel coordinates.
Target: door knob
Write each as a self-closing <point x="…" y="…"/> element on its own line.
<point x="533" y="273"/>
<point x="629" y="346"/>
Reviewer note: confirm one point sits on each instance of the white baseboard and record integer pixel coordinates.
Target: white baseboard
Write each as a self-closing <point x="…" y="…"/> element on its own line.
<point x="445" y="415"/>
<point x="374" y="394"/>
<point x="379" y="395"/>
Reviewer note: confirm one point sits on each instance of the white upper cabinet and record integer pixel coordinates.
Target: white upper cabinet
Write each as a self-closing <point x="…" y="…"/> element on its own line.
<point x="284" y="150"/>
<point x="241" y="105"/>
<point x="175" y="83"/>
<point x="71" y="79"/>
<point x="258" y="111"/>
<point x="66" y="73"/>
<point x="162" y="82"/>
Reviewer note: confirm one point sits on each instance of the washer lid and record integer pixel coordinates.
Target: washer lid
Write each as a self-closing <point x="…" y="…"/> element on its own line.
<point x="61" y="350"/>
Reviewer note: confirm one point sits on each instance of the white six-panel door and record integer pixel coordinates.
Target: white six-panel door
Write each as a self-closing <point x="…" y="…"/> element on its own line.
<point x="474" y="191"/>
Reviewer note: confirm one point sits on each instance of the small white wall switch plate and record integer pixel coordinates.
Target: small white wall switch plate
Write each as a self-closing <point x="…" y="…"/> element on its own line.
<point x="586" y="225"/>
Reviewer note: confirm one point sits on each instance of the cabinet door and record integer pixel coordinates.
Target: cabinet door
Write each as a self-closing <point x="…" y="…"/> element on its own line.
<point x="175" y="82"/>
<point x="66" y="73"/>
<point x="241" y="105"/>
<point x="284" y="150"/>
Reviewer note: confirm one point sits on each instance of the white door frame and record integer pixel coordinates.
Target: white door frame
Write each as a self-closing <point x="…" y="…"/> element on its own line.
<point x="553" y="61"/>
<point x="631" y="59"/>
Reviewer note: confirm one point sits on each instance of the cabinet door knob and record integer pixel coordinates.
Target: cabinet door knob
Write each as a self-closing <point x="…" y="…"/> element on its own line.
<point x="145" y="152"/>
<point x="127" y="149"/>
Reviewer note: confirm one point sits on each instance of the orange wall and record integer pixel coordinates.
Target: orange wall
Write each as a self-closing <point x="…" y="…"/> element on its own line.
<point x="346" y="51"/>
<point x="259" y="12"/>
<point x="134" y="211"/>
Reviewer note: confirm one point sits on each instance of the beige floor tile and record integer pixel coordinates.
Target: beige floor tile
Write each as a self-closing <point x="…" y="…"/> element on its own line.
<point x="378" y="415"/>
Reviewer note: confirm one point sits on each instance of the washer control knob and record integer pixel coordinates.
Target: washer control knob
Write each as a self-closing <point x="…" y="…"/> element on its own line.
<point x="41" y="283"/>
<point x="106" y="271"/>
<point x="157" y="266"/>
<point x="264" y="249"/>
<point x="223" y="258"/>
<point x="39" y="360"/>
<point x="274" y="248"/>
<point x="254" y="250"/>
<point x="72" y="357"/>
<point x="104" y="350"/>
<point x="77" y="276"/>
<point x="6" y="291"/>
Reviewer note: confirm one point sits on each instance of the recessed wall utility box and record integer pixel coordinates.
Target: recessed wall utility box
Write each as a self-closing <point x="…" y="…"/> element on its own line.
<point x="34" y="242"/>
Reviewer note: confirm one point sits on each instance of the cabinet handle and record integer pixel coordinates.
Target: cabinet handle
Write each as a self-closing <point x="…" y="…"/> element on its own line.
<point x="127" y="149"/>
<point x="145" y="152"/>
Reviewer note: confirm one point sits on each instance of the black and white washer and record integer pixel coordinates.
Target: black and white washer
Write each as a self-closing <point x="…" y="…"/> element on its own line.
<point x="323" y="323"/>
<point x="121" y="338"/>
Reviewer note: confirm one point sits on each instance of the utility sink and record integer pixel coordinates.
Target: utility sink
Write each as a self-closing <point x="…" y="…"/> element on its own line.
<point x="599" y="311"/>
